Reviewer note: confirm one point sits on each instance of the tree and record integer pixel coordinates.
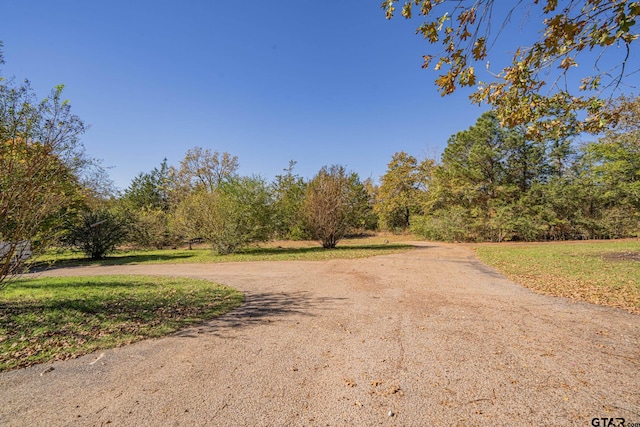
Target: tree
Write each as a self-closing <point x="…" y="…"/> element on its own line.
<point x="335" y="203"/>
<point x="288" y="193"/>
<point x="472" y="162"/>
<point x="150" y="190"/>
<point x="203" y="168"/>
<point x="149" y="227"/>
<point x="401" y="190"/>
<point x="41" y="158"/>
<point x="477" y="191"/>
<point x="537" y="89"/>
<point x="371" y="220"/>
<point x="560" y="154"/>
<point x="616" y="158"/>
<point x="524" y="160"/>
<point x="192" y="215"/>
<point x="495" y="184"/>
<point x="147" y="203"/>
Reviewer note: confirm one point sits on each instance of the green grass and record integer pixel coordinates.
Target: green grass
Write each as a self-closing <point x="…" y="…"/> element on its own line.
<point x="303" y="252"/>
<point x="59" y="318"/>
<point x="600" y="272"/>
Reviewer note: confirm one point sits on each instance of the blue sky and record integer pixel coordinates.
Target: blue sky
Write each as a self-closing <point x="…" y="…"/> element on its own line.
<point x="316" y="82"/>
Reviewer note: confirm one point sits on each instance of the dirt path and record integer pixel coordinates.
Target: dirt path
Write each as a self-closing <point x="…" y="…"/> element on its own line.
<point x="432" y="337"/>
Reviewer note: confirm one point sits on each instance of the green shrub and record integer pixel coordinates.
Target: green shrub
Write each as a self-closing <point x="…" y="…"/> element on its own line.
<point x="97" y="233"/>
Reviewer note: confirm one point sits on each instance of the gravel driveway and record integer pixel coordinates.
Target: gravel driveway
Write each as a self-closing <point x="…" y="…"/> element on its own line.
<point x="427" y="337"/>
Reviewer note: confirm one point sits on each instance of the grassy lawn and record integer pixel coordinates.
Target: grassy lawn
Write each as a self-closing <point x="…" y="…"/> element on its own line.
<point x="600" y="272"/>
<point x="59" y="318"/>
<point x="274" y="251"/>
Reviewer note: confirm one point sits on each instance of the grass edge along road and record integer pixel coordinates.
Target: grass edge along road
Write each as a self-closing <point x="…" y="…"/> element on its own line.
<point x="598" y="272"/>
<point x="57" y="318"/>
<point x="299" y="252"/>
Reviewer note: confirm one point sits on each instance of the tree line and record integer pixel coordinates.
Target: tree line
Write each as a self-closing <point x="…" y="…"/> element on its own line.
<point x="492" y="183"/>
<point x="205" y="199"/>
<point x="495" y="184"/>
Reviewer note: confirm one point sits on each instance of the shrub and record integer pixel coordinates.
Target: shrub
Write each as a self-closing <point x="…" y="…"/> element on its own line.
<point x="335" y="204"/>
<point x="97" y="233"/>
<point x="229" y="217"/>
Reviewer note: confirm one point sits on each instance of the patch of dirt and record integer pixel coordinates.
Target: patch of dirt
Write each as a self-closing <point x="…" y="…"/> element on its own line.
<point x="622" y="256"/>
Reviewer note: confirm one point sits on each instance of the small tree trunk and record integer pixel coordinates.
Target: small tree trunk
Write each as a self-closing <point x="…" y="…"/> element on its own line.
<point x="329" y="242"/>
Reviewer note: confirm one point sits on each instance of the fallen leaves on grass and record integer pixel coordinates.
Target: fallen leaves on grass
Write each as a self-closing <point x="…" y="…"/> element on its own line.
<point x="604" y="273"/>
<point x="57" y="319"/>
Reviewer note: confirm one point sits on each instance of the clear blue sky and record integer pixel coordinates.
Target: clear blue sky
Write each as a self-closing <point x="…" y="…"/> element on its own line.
<point x="319" y="82"/>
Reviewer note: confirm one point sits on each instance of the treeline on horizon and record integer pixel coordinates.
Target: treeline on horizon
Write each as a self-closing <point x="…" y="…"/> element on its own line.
<point x="492" y="184"/>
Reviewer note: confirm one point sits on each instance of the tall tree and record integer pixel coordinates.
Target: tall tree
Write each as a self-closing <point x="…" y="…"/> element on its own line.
<point x="147" y="204"/>
<point x="524" y="160"/>
<point x="40" y="159"/>
<point x="537" y="88"/>
<point x="472" y="162"/>
<point x="617" y="156"/>
<point x="204" y="168"/>
<point x="496" y="184"/>
<point x="402" y="189"/>
<point x="288" y="193"/>
<point x="150" y="189"/>
<point x="559" y="156"/>
<point x="477" y="189"/>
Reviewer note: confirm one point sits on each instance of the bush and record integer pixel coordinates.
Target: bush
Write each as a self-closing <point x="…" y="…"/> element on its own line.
<point x="336" y="203"/>
<point x="97" y="233"/>
<point x="150" y="228"/>
<point x="229" y="217"/>
<point x="445" y="224"/>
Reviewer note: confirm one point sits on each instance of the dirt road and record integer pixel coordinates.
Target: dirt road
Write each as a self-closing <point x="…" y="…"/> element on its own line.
<point x="427" y="337"/>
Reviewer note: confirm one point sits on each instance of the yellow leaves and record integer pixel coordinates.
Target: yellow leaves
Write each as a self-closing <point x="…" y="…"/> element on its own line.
<point x="428" y="5"/>
<point x="590" y="83"/>
<point x="388" y="7"/>
<point x="479" y="50"/>
<point x="468" y="77"/>
<point x="567" y="62"/>
<point x="429" y="31"/>
<point x="427" y="60"/>
<point x="551" y="6"/>
<point x="406" y="10"/>
<point x="442" y="20"/>
<point x="461" y="32"/>
<point x="446" y="83"/>
<point x="11" y="142"/>
<point x="467" y="16"/>
<point x="465" y="34"/>
<point x="450" y="47"/>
